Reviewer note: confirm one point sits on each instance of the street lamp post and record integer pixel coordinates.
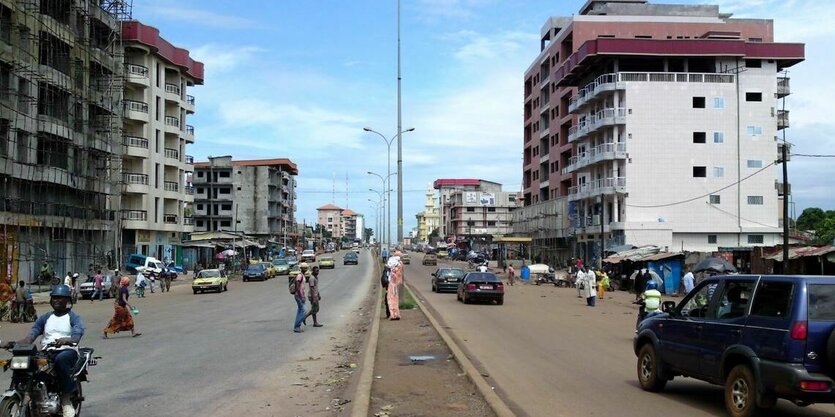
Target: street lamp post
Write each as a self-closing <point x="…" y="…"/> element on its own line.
<point x="376" y="215"/>
<point x="399" y="179"/>
<point x="386" y="189"/>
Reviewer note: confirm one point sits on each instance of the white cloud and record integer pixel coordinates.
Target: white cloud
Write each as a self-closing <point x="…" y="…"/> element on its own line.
<point x="449" y="9"/>
<point x="198" y="16"/>
<point x="219" y="59"/>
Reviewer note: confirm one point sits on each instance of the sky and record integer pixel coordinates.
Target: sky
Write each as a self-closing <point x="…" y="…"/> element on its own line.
<point x="301" y="79"/>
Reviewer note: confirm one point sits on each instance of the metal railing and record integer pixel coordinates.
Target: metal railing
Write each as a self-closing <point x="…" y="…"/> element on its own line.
<point x="189" y="189"/>
<point x="171" y="186"/>
<point x="131" y="178"/>
<point x="602" y="152"/>
<point x="137" y="70"/>
<point x="134" y="105"/>
<point x="783" y="87"/>
<point x="169" y="218"/>
<point x="188" y="221"/>
<point x="172" y="121"/>
<point x="190" y="130"/>
<point x="597" y="186"/>
<point x="135" y="215"/>
<point x="172" y="153"/>
<point x="189" y="159"/>
<point x="782" y="119"/>
<point x="135" y="142"/>
<point x="190" y="99"/>
<point x="172" y="88"/>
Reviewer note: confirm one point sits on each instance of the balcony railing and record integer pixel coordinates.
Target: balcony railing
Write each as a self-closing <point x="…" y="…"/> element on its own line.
<point x="171" y="186"/>
<point x="172" y="88"/>
<point x="169" y="218"/>
<point x="172" y="121"/>
<point x="596" y="187"/>
<point x="782" y="119"/>
<point x="172" y="153"/>
<point x="602" y="152"/>
<point x="135" y="215"/>
<point x="134" y="105"/>
<point x="189" y="189"/>
<point x="190" y="130"/>
<point x="188" y="221"/>
<point x="130" y="178"/>
<point x="190" y="99"/>
<point x="135" y="142"/>
<point x="136" y="70"/>
<point x="189" y="159"/>
<point x="783" y="87"/>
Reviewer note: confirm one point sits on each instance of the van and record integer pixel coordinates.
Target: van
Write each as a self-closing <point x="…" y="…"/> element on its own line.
<point x="138" y="260"/>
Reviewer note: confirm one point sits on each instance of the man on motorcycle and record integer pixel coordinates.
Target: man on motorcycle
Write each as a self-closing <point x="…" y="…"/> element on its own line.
<point x="59" y="328"/>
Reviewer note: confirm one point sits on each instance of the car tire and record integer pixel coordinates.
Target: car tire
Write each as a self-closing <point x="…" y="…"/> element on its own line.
<point x="195" y="292"/>
<point x="741" y="393"/>
<point x="226" y="287"/>
<point x="433" y="288"/>
<point x="500" y="301"/>
<point x="649" y="367"/>
<point x="464" y="299"/>
<point x="830" y="352"/>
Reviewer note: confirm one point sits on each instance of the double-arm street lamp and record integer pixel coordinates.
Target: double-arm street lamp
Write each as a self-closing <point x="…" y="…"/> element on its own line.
<point x="377" y="205"/>
<point x="385" y="198"/>
<point x="399" y="178"/>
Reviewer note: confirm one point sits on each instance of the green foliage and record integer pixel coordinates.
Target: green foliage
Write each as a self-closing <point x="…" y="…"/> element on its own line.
<point x="435" y="232"/>
<point x="810" y="218"/>
<point x="822" y="222"/>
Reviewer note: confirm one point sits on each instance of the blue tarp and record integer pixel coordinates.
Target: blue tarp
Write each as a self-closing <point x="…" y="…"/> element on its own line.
<point x="670" y="271"/>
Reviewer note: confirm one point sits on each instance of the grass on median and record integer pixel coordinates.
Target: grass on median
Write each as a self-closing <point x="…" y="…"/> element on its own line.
<point x="407" y="301"/>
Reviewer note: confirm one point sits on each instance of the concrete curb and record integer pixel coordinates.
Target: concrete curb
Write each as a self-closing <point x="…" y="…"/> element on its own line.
<point x="362" y="397"/>
<point x="493" y="400"/>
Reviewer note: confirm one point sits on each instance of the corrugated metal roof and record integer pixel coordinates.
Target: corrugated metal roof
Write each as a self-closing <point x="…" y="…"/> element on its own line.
<point x="801" y="252"/>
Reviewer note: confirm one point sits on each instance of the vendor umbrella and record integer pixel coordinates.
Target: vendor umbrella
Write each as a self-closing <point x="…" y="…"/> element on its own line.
<point x="714" y="264"/>
<point x="229" y="252"/>
<point x="655" y="277"/>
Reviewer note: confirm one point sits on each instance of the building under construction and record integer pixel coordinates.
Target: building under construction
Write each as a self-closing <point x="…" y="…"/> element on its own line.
<point x="61" y="86"/>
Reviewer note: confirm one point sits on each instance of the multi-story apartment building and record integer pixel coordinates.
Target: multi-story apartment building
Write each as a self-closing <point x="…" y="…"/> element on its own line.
<point x="156" y="204"/>
<point x="349" y="223"/>
<point x="429" y="219"/>
<point x="329" y="216"/>
<point x="254" y="197"/>
<point x="658" y="124"/>
<point x="60" y="117"/>
<point x="474" y="208"/>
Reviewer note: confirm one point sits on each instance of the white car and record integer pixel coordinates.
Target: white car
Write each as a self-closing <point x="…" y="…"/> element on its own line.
<point x="308" y="255"/>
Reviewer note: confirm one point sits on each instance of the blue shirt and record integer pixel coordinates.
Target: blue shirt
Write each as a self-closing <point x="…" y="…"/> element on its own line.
<point x="75" y="322"/>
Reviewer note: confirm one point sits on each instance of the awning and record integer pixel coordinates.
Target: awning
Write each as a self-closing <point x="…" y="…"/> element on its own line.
<point x="664" y="255"/>
<point x="198" y="244"/>
<point x="511" y="239"/>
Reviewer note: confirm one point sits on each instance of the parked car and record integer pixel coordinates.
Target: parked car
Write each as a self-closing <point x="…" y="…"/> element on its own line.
<point x="446" y="279"/>
<point x="271" y="271"/>
<point x="350" y="258"/>
<point x="326" y="262"/>
<point x="430" y="259"/>
<point x="176" y="268"/>
<point x="308" y="255"/>
<point x="255" y="272"/>
<point x="210" y="279"/>
<point x="442" y="253"/>
<point x="87" y="287"/>
<point x="481" y="286"/>
<point x="282" y="267"/>
<point x="761" y="337"/>
<point x="406" y="259"/>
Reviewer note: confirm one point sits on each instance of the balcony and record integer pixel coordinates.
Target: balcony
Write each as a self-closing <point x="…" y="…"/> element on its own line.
<point x="130" y="178"/>
<point x="189" y="189"/>
<point x="135" y="215"/>
<point x="782" y="119"/>
<point x="172" y="124"/>
<point x="189" y="159"/>
<point x="783" y="87"/>
<point x="137" y="74"/>
<point x="136" y="110"/>
<point x="171" y="186"/>
<point x="172" y="90"/>
<point x="189" y="104"/>
<point x="597" y="187"/>
<point x="136" y="146"/>
<point x="189" y="134"/>
<point x="608" y="117"/>
<point x="169" y="218"/>
<point x="188" y="221"/>
<point x="172" y="154"/>
<point x="603" y="152"/>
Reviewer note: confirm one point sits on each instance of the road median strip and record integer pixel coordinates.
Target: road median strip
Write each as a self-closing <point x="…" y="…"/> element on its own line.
<point x="362" y="397"/>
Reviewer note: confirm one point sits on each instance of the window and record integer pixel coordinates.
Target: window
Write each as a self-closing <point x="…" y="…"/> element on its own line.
<point x="225" y="191"/>
<point x="199" y="190"/>
<point x="199" y="207"/>
<point x="755" y="163"/>
<point x="199" y="174"/>
<point x="755" y="200"/>
<point x="753" y="96"/>
<point x="754" y="63"/>
<point x="735" y="300"/>
<point x="225" y="223"/>
<point x="719" y="102"/>
<point x="754" y="239"/>
<point x="200" y="223"/>
<point x="699" y="137"/>
<point x="224" y="174"/>
<point x="773" y="299"/>
<point x="330" y="219"/>
<point x="718" y="172"/>
<point x="821" y="302"/>
<point x="227" y="207"/>
<point x="698" y="102"/>
<point x="754" y="130"/>
<point x="22" y="146"/>
<point x="470" y="223"/>
<point x="491" y="209"/>
<point x="711" y="239"/>
<point x="492" y="223"/>
<point x="715" y="199"/>
<point x="718" y="137"/>
<point x="699" y="172"/>
<point x="470" y="209"/>
<point x="696" y="304"/>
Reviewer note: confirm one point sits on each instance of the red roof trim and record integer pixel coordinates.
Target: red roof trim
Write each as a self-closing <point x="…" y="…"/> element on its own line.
<point x="791" y="53"/>
<point x="259" y="162"/>
<point x="451" y="181"/>
<point x="329" y="207"/>
<point x="135" y="31"/>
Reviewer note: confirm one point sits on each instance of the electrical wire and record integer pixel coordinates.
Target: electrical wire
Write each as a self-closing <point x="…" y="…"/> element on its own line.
<point x="703" y="195"/>
<point x="813" y="155"/>
<point x="741" y="218"/>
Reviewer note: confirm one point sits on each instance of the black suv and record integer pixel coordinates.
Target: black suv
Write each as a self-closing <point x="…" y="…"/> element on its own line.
<point x="762" y="337"/>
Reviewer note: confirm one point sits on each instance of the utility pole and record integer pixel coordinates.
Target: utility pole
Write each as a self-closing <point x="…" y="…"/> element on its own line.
<point x="399" y="141"/>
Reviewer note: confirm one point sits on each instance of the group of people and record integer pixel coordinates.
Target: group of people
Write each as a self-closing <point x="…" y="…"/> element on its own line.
<point x="311" y="277"/>
<point x="591" y="283"/>
<point x="147" y="278"/>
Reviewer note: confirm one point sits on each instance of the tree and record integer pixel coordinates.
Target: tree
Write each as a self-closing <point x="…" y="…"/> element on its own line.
<point x="368" y="233"/>
<point x="811" y="218"/>
<point x="825" y="233"/>
<point x="435" y="232"/>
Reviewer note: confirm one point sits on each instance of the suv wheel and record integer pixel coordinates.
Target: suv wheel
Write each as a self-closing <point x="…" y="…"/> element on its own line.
<point x="830" y="351"/>
<point x="741" y="392"/>
<point x="649" y="375"/>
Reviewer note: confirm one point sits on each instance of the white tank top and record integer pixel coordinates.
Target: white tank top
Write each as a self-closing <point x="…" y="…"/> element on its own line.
<point x="56" y="328"/>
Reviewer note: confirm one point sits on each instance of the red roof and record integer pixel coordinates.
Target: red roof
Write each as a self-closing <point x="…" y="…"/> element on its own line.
<point x="348" y="212"/>
<point x="259" y="162"/>
<point x="149" y="36"/>
<point x="329" y="207"/>
<point x="447" y="182"/>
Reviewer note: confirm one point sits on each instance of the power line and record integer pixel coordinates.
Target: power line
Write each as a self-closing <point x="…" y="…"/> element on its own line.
<point x="813" y="155"/>
<point x="703" y="195"/>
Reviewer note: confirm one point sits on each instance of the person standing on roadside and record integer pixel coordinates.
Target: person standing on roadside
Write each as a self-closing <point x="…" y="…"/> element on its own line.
<point x="313" y="285"/>
<point x="589" y="282"/>
<point x="602" y="283"/>
<point x="122" y="319"/>
<point x="165" y="284"/>
<point x="579" y="281"/>
<point x="384" y="281"/>
<point x="298" y="295"/>
<point x="97" y="287"/>
<point x="395" y="279"/>
<point x="511" y="275"/>
<point x="140" y="284"/>
<point x="689" y="282"/>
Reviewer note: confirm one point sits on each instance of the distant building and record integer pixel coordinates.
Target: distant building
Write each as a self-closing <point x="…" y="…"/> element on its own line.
<point x="254" y="197"/>
<point x="329" y="217"/>
<point x="472" y="208"/>
<point x="429" y="219"/>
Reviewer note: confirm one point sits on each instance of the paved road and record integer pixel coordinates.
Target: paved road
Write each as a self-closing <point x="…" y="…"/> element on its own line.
<point x="204" y="354"/>
<point x="550" y="355"/>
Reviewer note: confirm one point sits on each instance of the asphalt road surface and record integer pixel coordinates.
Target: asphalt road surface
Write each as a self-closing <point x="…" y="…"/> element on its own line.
<point x="204" y="354"/>
<point x="548" y="354"/>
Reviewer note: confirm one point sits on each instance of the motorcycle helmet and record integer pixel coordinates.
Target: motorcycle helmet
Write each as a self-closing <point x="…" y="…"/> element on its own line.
<point x="652" y="285"/>
<point x="60" y="291"/>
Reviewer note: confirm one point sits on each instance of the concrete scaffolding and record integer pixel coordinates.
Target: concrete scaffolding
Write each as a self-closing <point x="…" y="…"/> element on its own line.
<point x="61" y="82"/>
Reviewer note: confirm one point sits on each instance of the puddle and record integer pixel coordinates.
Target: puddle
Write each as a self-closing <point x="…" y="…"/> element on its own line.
<point x="419" y="359"/>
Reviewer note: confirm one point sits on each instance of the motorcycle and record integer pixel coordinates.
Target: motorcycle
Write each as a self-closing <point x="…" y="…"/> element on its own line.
<point x="29" y="313"/>
<point x="33" y="391"/>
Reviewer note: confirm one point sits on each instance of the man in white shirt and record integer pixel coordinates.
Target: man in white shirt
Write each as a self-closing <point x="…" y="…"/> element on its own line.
<point x="689" y="282"/>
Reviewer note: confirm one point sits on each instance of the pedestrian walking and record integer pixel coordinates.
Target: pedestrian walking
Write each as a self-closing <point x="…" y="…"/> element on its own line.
<point x="140" y="284"/>
<point x="313" y="296"/>
<point x="579" y="281"/>
<point x="165" y="284"/>
<point x="689" y="282"/>
<point x="602" y="283"/>
<point x="589" y="292"/>
<point x="384" y="281"/>
<point x="122" y="319"/>
<point x="511" y="275"/>
<point x="152" y="281"/>
<point x="298" y="295"/>
<point x="395" y="279"/>
<point x="640" y="284"/>
<point x="97" y="287"/>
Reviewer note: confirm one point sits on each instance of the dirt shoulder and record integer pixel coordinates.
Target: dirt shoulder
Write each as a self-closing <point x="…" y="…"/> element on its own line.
<point x="430" y="387"/>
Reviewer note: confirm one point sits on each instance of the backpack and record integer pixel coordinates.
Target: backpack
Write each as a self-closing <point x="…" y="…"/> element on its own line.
<point x="292" y="286"/>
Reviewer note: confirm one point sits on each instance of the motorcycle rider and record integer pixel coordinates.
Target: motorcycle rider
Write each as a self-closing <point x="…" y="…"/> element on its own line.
<point x="59" y="328"/>
<point x="650" y="301"/>
<point x="483" y="267"/>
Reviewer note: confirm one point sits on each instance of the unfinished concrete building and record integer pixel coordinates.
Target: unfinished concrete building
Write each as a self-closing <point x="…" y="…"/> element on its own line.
<point x="60" y="122"/>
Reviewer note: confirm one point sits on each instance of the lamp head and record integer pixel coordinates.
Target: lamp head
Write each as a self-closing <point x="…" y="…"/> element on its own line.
<point x="411" y="129"/>
<point x="367" y="129"/>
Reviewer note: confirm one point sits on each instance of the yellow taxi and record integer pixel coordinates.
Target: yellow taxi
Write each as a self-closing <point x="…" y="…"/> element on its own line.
<point x="210" y="280"/>
<point x="326" y="262"/>
<point x="271" y="271"/>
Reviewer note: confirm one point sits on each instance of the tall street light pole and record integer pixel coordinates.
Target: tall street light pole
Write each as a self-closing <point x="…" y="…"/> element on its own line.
<point x="399" y="140"/>
<point x="388" y="163"/>
<point x="376" y="216"/>
<point x="386" y="199"/>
